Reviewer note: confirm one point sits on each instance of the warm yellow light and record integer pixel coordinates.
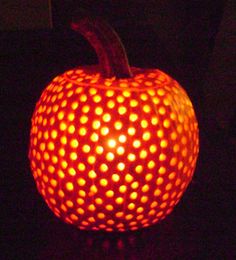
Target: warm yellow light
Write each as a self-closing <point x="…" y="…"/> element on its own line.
<point x="103" y="167"/>
<point x="81" y="167"/>
<point x="106" y="117"/>
<point x="115" y="177"/>
<point x="118" y="125"/>
<point x="122" y="138"/>
<point x="92" y="174"/>
<point x="74" y="143"/>
<point x="96" y="124"/>
<point x="86" y="148"/>
<point x="99" y="149"/>
<point x="110" y="156"/>
<point x="69" y="186"/>
<point x="73" y="156"/>
<point x="98" y="110"/>
<point x="91" y="159"/>
<point x="110" y="193"/>
<point x="133" y="117"/>
<point x="81" y="182"/>
<point x="103" y="182"/>
<point x="120" y="166"/>
<point x="94" y="137"/>
<point x="131" y="130"/>
<point x="82" y="131"/>
<point x="104" y="130"/>
<point x="111" y="143"/>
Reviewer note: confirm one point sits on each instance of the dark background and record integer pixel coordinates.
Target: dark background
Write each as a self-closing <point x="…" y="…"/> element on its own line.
<point x="194" y="42"/>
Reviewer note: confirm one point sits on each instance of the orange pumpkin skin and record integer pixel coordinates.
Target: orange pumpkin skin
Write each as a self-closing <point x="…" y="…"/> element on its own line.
<point x="113" y="154"/>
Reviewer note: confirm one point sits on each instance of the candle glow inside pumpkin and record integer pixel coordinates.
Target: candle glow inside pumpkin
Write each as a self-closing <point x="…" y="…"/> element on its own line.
<point x="113" y="154"/>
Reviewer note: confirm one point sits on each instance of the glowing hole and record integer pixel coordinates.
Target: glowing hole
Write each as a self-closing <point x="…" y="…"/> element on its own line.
<point x="146" y="136"/>
<point x="136" y="143"/>
<point x="162" y="170"/>
<point x="106" y="117"/>
<point x="133" y="195"/>
<point x="144" y="123"/>
<point x="91" y="159"/>
<point x="131" y="130"/>
<point x="63" y="140"/>
<point x="163" y="143"/>
<point x="86" y="148"/>
<point x="115" y="177"/>
<point x="71" y="129"/>
<point x="128" y="178"/>
<point x="110" y="193"/>
<point x="131" y="157"/>
<point x="94" y="137"/>
<point x="83" y="119"/>
<point x="51" y="146"/>
<point x="69" y="186"/>
<point x="74" y="143"/>
<point x="122" y="189"/>
<point x="82" y="131"/>
<point x="118" y="125"/>
<point x="135" y="185"/>
<point x="110" y="156"/>
<point x="139" y="168"/>
<point x="146" y="108"/>
<point x="92" y="174"/>
<point x="103" y="167"/>
<point x="143" y="154"/>
<point x="133" y="103"/>
<point x="71" y="117"/>
<point x="122" y="138"/>
<point x="73" y="156"/>
<point x="151" y="164"/>
<point x="98" y="201"/>
<point x="111" y="104"/>
<point x="120" y="150"/>
<point x="166" y="123"/>
<point x="154" y="121"/>
<point x="54" y="134"/>
<point x="162" y="157"/>
<point x="91" y="207"/>
<point x="81" y="167"/>
<point x="122" y="110"/>
<point x="133" y="117"/>
<point x="162" y="110"/>
<point x="148" y="177"/>
<point x="119" y="200"/>
<point x="111" y="143"/>
<point x="98" y="111"/>
<point x="96" y="124"/>
<point x="81" y="182"/>
<point x="103" y="182"/>
<point x="104" y="130"/>
<point x="85" y="109"/>
<point x="120" y="166"/>
<point x="72" y="171"/>
<point x="99" y="149"/>
<point x="160" y="133"/>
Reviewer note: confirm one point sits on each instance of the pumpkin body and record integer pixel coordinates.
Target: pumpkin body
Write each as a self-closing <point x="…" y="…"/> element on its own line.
<point x="113" y="154"/>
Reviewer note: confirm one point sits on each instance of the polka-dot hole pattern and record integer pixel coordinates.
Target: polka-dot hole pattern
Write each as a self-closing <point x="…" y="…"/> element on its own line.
<point x="113" y="154"/>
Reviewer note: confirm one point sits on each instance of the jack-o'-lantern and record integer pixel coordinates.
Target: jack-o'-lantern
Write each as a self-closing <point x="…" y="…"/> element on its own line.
<point x="112" y="148"/>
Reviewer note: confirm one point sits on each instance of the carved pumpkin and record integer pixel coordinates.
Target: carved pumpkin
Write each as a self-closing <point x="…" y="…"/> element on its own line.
<point x="112" y="147"/>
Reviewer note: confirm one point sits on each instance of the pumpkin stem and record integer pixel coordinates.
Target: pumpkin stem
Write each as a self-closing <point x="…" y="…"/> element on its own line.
<point x="111" y="54"/>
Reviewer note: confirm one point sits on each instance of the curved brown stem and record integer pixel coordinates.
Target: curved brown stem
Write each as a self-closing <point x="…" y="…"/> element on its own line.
<point x="111" y="54"/>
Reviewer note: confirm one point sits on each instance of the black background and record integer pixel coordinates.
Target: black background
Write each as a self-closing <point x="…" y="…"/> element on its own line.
<point x="177" y="37"/>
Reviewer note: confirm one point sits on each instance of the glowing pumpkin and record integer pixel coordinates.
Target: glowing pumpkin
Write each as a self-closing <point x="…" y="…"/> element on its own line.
<point x="112" y="148"/>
